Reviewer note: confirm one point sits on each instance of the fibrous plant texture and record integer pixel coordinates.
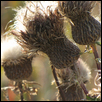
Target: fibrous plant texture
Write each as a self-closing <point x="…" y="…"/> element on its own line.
<point x="17" y="66"/>
<point x="70" y="79"/>
<point x="41" y="29"/>
<point x="86" y="30"/>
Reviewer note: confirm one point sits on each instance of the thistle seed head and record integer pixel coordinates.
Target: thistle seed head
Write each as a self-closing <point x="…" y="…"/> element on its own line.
<point x="18" y="69"/>
<point x="79" y="72"/>
<point x="70" y="79"/>
<point x="39" y="26"/>
<point x="63" y="53"/>
<point x="75" y="9"/>
<point x="17" y="66"/>
<point x="86" y="30"/>
<point x="44" y="32"/>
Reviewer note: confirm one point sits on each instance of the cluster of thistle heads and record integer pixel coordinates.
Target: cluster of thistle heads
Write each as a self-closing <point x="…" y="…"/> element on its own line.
<point x="39" y="26"/>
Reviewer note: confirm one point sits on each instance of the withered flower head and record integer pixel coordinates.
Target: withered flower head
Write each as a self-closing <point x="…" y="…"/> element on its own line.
<point x="86" y="30"/>
<point x="17" y="66"/>
<point x="75" y="9"/>
<point x="43" y="31"/>
<point x="70" y="79"/>
<point x="79" y="72"/>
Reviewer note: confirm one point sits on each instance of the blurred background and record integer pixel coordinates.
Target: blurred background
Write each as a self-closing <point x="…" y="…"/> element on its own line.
<point x="42" y="73"/>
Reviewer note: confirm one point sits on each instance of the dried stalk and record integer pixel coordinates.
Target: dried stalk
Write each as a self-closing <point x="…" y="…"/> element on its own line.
<point x="84" y="88"/>
<point x="21" y="90"/>
<point x="93" y="46"/>
<point x="57" y="82"/>
<point x="96" y="55"/>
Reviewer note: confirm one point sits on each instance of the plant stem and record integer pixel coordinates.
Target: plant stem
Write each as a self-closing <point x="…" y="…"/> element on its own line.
<point x="21" y="91"/>
<point x="57" y="82"/>
<point x="84" y="88"/>
<point x="93" y="46"/>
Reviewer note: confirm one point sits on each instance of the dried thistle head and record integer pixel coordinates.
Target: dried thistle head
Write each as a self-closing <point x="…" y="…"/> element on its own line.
<point x="75" y="9"/>
<point x="77" y="73"/>
<point x="43" y="31"/>
<point x="40" y="27"/>
<point x="86" y="30"/>
<point x="70" y="79"/>
<point x="17" y="66"/>
<point x="74" y="93"/>
<point x="69" y="84"/>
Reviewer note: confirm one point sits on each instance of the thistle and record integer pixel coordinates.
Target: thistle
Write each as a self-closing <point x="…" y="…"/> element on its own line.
<point x="42" y="30"/>
<point x="86" y="30"/>
<point x="70" y="80"/>
<point x="17" y="66"/>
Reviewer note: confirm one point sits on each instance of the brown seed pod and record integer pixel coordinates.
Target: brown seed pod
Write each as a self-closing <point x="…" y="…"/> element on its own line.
<point x="44" y="32"/>
<point x="17" y="66"/>
<point x="18" y="69"/>
<point x="86" y="30"/>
